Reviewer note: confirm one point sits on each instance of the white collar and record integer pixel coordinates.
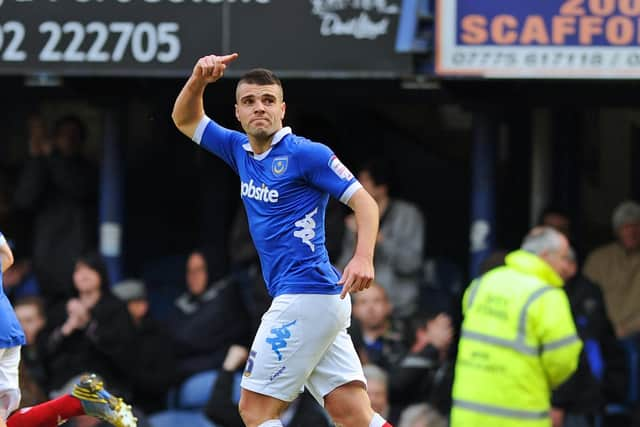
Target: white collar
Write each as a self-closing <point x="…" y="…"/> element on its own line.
<point x="277" y="137"/>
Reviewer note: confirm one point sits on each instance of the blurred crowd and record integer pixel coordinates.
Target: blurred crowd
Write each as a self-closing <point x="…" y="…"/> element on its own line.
<point x="184" y="367"/>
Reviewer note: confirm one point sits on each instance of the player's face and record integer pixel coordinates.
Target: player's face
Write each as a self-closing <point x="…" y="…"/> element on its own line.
<point x="260" y="109"/>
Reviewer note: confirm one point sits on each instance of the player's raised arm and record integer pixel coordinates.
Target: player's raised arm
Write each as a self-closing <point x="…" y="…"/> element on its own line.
<point x="188" y="109"/>
<point x="359" y="272"/>
<point x="6" y="256"/>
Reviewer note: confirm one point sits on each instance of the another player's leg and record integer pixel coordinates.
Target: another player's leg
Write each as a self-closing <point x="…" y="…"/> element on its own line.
<point x="87" y="398"/>
<point x="48" y="414"/>
<point x="258" y="410"/>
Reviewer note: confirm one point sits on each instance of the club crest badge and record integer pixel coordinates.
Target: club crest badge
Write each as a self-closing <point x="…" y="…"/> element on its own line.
<point x="279" y="165"/>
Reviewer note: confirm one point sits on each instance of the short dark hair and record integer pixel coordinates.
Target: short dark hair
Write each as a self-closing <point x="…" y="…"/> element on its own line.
<point x="260" y="76"/>
<point x="96" y="262"/>
<point x="380" y="170"/>
<point x="419" y="321"/>
<point x="555" y="210"/>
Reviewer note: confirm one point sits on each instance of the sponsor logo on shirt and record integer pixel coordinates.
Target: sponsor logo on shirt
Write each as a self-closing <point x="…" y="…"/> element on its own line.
<point x="279" y="165"/>
<point x="339" y="169"/>
<point x="308" y="225"/>
<point x="262" y="193"/>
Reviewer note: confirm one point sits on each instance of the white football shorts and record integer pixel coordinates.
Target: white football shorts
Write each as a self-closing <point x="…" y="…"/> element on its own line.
<point x="9" y="383"/>
<point x="302" y="341"/>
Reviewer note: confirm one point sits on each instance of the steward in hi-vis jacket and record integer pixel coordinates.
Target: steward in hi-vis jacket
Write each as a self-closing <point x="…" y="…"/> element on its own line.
<point x="518" y="340"/>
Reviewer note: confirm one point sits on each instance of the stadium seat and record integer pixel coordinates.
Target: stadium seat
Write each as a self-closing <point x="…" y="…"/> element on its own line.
<point x="175" y="418"/>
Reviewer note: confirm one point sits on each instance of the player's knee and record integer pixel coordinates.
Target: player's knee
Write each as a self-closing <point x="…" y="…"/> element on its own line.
<point x="245" y="411"/>
<point x="349" y="405"/>
<point x="254" y="412"/>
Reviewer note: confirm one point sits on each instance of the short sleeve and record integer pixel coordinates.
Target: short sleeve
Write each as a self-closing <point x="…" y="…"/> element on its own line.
<point x="322" y="169"/>
<point x="219" y="140"/>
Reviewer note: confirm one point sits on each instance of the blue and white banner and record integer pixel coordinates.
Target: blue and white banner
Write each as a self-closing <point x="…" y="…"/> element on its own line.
<point x="538" y="38"/>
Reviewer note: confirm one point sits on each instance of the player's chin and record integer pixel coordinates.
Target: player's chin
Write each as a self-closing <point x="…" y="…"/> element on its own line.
<point x="261" y="133"/>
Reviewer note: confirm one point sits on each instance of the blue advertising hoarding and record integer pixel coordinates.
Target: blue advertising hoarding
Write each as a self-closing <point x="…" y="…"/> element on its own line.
<point x="538" y="39"/>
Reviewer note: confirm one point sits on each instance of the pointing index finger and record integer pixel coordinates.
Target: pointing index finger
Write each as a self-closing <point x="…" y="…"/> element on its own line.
<point x="227" y="59"/>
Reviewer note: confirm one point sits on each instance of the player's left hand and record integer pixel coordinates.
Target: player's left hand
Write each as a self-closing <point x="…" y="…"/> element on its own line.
<point x="357" y="275"/>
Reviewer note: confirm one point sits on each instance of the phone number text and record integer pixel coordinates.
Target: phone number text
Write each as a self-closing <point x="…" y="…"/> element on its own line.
<point x="93" y="42"/>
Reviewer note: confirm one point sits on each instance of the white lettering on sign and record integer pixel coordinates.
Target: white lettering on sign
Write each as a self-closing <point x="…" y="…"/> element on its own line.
<point x="361" y="19"/>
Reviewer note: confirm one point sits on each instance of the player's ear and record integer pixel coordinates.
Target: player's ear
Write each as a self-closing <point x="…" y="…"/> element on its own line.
<point x="237" y="115"/>
<point x="284" y="109"/>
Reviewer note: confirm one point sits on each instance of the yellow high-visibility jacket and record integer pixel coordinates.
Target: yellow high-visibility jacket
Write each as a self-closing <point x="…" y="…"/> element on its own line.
<point x="518" y="342"/>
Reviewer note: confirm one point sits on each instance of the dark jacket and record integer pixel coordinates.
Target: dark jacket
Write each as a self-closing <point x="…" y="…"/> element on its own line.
<point x="385" y="352"/>
<point x="202" y="327"/>
<point x="422" y="377"/>
<point x="601" y="376"/>
<point x="61" y="193"/>
<point x="153" y="371"/>
<point x="106" y="346"/>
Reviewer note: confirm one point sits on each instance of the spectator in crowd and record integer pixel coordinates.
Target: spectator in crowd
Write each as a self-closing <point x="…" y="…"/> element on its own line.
<point x="372" y="332"/>
<point x="601" y="376"/>
<point x="616" y="268"/>
<point x="421" y="415"/>
<point x="58" y="186"/>
<point x="20" y="282"/>
<point x="151" y="374"/>
<point x="557" y="218"/>
<point x="205" y="320"/>
<point x="223" y="410"/>
<point x="518" y="339"/>
<point x="400" y="245"/>
<point x="425" y="374"/>
<point x="96" y="334"/>
<point x="378" y="390"/>
<point x="246" y="269"/>
<point x="33" y="385"/>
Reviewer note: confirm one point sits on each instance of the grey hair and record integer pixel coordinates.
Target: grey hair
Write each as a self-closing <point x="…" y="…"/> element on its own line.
<point x="542" y="239"/>
<point x="421" y="412"/>
<point x="375" y="373"/>
<point x="627" y="212"/>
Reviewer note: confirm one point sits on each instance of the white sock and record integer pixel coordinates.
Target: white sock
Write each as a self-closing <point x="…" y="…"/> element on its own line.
<point x="273" y="423"/>
<point x="377" y="421"/>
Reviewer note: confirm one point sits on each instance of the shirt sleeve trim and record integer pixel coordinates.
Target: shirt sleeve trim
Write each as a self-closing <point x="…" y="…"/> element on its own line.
<point x="346" y="196"/>
<point x="197" y="135"/>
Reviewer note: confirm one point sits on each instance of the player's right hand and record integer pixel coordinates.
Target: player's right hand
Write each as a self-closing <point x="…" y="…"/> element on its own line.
<point x="211" y="67"/>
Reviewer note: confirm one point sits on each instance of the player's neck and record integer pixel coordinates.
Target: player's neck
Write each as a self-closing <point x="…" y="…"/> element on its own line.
<point x="259" y="145"/>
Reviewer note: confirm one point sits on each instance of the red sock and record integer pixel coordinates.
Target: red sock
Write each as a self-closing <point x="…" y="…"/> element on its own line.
<point x="387" y="424"/>
<point x="47" y="414"/>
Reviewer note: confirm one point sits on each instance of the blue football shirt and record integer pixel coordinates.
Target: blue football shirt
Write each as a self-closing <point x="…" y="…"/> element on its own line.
<point x="285" y="191"/>
<point x="11" y="333"/>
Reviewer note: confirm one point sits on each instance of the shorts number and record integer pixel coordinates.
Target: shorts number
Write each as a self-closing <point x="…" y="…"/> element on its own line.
<point x="249" y="367"/>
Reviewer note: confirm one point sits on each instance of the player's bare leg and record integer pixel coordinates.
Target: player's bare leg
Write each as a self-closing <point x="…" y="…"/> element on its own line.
<point x="256" y="408"/>
<point x="349" y="405"/>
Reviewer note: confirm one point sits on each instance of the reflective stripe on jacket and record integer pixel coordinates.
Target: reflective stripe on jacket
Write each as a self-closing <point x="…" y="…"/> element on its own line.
<point x="518" y="342"/>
